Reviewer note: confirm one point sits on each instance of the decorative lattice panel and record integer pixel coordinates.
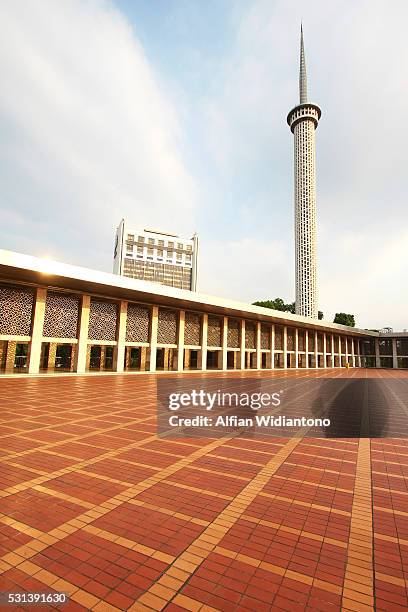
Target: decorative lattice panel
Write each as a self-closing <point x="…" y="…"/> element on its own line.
<point x="278" y="338"/>
<point x="312" y="342"/>
<point x="102" y="320"/>
<point x="214" y="331"/>
<point x="61" y="315"/>
<point x="290" y="342"/>
<point x="233" y="333"/>
<point x="137" y="324"/>
<point x="265" y="337"/>
<point x="328" y="343"/>
<point x="250" y="335"/>
<point x="16" y="309"/>
<point x="402" y="346"/>
<point x="384" y="345"/>
<point x="336" y="344"/>
<point x="192" y="329"/>
<point x="167" y="327"/>
<point x="301" y="340"/>
<point x="368" y="347"/>
<point x="320" y="343"/>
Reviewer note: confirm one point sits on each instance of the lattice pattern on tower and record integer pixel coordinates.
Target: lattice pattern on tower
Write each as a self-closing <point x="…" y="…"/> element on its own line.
<point x="250" y="335"/>
<point x="138" y="323"/>
<point x="167" y="326"/>
<point x="61" y="315"/>
<point x="233" y="333"/>
<point x="16" y="310"/>
<point x="305" y="218"/>
<point x="192" y="329"/>
<point x="214" y="331"/>
<point x="102" y="320"/>
<point x="303" y="121"/>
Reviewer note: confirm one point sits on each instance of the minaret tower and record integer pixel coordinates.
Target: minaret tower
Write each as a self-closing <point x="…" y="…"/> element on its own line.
<point x="303" y="120"/>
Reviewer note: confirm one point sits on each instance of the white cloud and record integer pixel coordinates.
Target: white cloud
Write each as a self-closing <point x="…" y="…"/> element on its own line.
<point x="245" y="269"/>
<point x="356" y="53"/>
<point x="89" y="132"/>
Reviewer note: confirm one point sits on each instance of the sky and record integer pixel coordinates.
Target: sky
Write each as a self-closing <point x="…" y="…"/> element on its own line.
<point x="172" y="115"/>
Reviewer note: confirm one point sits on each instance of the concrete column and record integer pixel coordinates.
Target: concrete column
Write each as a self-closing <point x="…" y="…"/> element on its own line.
<point x="316" y="350"/>
<point x="224" y="343"/>
<point x="127" y="360"/>
<point x="204" y="342"/>
<point x="121" y="338"/>
<point x="87" y="357"/>
<point x="143" y="358"/>
<point x="10" y="356"/>
<point x="324" y="350"/>
<point x="180" y="341"/>
<point x="285" y="347"/>
<point x="167" y="358"/>
<point x="332" y="350"/>
<point x="377" y="353"/>
<point x="353" y="354"/>
<point x="3" y="353"/>
<point x="242" y="355"/>
<point x="272" y="347"/>
<point x="81" y="364"/>
<point x="258" y="346"/>
<point x="307" y="347"/>
<point x="37" y="332"/>
<point x="347" y="349"/>
<point x="103" y="356"/>
<point x="394" y="353"/>
<point x="340" y="354"/>
<point x="297" y="347"/>
<point x="153" y="338"/>
<point x="52" y="354"/>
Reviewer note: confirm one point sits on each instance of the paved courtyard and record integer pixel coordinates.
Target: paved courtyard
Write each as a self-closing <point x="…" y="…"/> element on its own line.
<point x="94" y="505"/>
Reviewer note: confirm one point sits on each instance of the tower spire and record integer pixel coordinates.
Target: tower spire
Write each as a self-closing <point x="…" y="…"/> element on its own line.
<point x="303" y="120"/>
<point x="302" y="71"/>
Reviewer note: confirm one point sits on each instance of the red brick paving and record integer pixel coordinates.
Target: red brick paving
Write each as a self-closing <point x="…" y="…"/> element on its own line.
<point x="94" y="504"/>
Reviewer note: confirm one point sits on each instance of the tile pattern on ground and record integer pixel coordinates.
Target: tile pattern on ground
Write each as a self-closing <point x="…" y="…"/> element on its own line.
<point x="95" y="505"/>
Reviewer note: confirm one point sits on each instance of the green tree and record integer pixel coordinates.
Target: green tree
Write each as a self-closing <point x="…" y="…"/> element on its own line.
<point x="344" y="319"/>
<point x="279" y="304"/>
<point x="320" y="315"/>
<point x="276" y="304"/>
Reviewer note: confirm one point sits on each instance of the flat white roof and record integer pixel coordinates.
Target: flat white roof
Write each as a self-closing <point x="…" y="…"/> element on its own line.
<point x="16" y="267"/>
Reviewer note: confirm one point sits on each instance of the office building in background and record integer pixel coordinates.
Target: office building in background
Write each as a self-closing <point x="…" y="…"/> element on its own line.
<point x="156" y="257"/>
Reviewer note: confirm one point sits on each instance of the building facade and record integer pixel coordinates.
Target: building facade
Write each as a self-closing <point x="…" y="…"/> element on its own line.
<point x="60" y="318"/>
<point x="303" y="120"/>
<point x="156" y="257"/>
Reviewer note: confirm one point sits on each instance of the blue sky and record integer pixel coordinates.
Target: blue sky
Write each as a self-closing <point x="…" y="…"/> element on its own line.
<point x="173" y="115"/>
